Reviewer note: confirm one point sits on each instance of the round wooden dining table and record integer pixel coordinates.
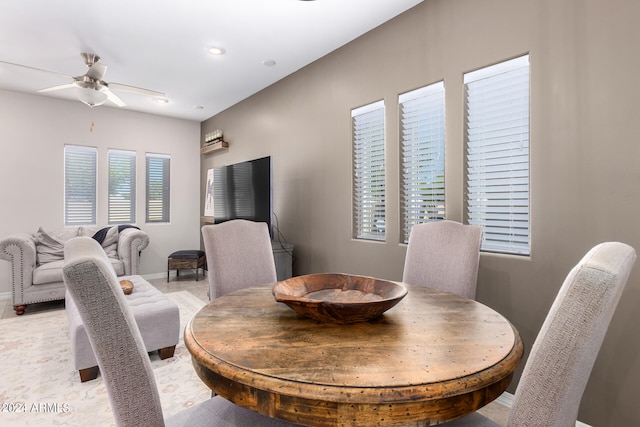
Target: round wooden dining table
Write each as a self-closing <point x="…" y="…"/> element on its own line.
<point x="432" y="358"/>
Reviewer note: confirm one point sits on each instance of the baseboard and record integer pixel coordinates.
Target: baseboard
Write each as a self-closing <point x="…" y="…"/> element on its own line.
<point x="5" y="295"/>
<point x="506" y="399"/>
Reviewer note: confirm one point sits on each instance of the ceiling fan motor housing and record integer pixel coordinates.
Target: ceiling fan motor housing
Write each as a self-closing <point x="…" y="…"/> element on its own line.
<point x="87" y="82"/>
<point x="89" y="58"/>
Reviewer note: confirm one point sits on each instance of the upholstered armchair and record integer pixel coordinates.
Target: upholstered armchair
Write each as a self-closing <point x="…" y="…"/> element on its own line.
<point x="444" y="255"/>
<point x="562" y="357"/>
<point x="36" y="259"/>
<point x="239" y="255"/>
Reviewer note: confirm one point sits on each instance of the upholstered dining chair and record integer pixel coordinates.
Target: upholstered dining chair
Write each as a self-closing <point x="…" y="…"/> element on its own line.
<point x="122" y="358"/>
<point x="239" y="255"/>
<point x="563" y="354"/>
<point x="444" y="255"/>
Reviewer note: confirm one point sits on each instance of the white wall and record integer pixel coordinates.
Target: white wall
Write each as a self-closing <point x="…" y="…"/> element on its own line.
<point x="33" y="133"/>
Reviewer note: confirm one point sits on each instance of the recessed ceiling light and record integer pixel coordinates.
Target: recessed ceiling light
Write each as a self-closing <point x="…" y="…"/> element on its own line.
<point x="161" y="100"/>
<point x="268" y="62"/>
<point x="216" y="50"/>
<point x="198" y="107"/>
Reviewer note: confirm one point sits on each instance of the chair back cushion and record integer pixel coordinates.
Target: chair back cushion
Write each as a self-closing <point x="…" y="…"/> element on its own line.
<point x="444" y="255"/>
<point x="113" y="333"/>
<point x="562" y="357"/>
<point x="239" y="255"/>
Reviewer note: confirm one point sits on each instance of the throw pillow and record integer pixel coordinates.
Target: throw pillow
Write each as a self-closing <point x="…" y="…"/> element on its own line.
<point x="108" y="238"/>
<point x="110" y="242"/>
<point x="48" y="247"/>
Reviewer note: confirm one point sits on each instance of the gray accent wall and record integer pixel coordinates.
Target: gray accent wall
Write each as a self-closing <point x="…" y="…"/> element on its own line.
<point x="585" y="154"/>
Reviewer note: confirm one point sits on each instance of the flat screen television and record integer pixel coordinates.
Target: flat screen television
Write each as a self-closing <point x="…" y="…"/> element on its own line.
<point x="243" y="191"/>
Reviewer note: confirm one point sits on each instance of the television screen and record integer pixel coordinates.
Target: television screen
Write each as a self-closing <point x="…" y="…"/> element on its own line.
<point x="243" y="191"/>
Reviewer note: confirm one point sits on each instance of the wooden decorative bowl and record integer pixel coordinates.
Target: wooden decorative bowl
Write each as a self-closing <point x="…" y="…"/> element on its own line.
<point x="127" y="286"/>
<point x="339" y="298"/>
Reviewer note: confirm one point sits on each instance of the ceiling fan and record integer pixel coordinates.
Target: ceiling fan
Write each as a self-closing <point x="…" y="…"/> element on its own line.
<point x="90" y="87"/>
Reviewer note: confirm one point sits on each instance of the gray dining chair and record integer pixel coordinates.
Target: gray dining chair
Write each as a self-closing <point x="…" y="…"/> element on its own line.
<point x="239" y="255"/>
<point x="119" y="349"/>
<point x="562" y="357"/>
<point x="444" y="255"/>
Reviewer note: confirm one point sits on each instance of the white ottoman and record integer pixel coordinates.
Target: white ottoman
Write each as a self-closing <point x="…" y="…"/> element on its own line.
<point x="157" y="317"/>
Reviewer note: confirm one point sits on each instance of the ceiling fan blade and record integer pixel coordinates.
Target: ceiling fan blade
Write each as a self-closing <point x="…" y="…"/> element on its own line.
<point x="134" y="89"/>
<point x="51" y="89"/>
<point x="35" y="69"/>
<point x="114" y="98"/>
<point x="96" y="71"/>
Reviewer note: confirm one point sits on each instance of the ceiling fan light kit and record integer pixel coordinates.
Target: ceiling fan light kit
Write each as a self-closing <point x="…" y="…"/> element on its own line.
<point x="91" y="97"/>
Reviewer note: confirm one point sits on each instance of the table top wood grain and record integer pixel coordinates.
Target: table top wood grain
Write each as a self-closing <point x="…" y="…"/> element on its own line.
<point x="432" y="358"/>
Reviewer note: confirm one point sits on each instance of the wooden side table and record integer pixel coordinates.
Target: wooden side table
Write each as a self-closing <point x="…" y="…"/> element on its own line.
<point x="186" y="259"/>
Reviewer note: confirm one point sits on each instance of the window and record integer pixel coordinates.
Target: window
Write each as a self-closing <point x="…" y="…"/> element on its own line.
<point x="158" y="177"/>
<point x="497" y="140"/>
<point x="80" y="185"/>
<point x="369" y="172"/>
<point x="122" y="187"/>
<point x="422" y="138"/>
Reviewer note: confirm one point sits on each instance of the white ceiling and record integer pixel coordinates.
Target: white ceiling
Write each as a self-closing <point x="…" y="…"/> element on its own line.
<point x="162" y="45"/>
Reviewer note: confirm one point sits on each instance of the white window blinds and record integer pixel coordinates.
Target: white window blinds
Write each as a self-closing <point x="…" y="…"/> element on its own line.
<point x="80" y="185"/>
<point x="422" y="138"/>
<point x="158" y="190"/>
<point x="497" y="139"/>
<point x="122" y="187"/>
<point x="369" y="172"/>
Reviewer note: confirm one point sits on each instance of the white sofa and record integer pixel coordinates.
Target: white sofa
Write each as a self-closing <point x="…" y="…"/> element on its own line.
<point x="37" y="259"/>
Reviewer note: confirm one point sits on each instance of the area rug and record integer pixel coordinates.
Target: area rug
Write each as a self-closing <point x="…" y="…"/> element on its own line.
<point x="40" y="387"/>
